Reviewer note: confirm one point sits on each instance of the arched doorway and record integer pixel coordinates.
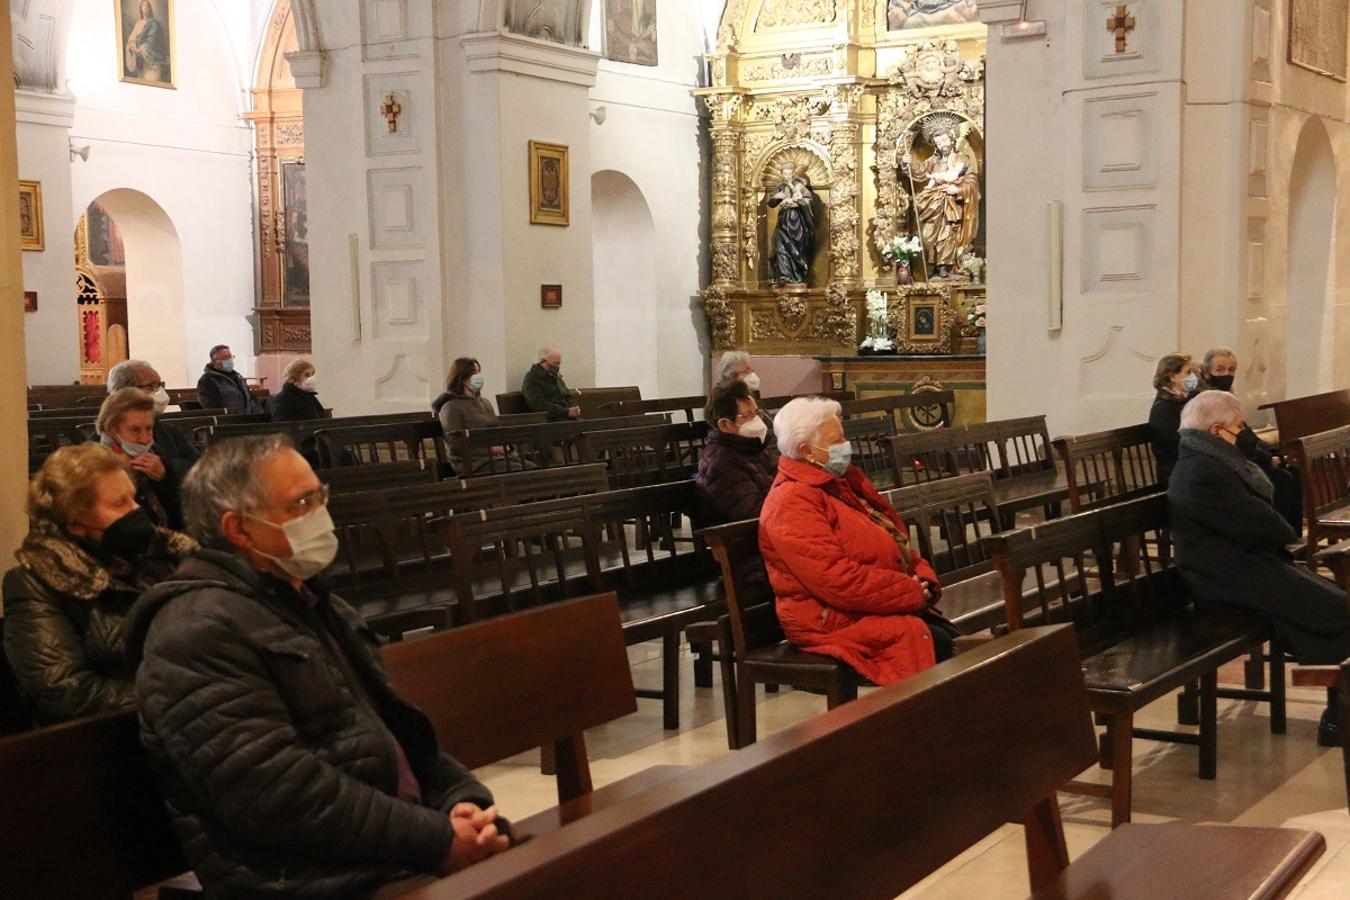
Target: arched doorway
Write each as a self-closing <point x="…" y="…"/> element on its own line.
<point x="624" y="264"/>
<point x="1310" y="327"/>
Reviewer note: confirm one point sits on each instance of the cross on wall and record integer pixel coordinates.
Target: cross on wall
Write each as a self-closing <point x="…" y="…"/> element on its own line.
<point x="1120" y="24"/>
<point x="391" y="110"/>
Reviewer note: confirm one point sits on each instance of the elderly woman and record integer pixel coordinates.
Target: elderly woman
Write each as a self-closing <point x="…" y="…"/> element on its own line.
<point x="1176" y="381"/>
<point x="735" y="365"/>
<point x="298" y="399"/>
<point x="90" y="552"/>
<point x="1230" y="542"/>
<point x="126" y="425"/>
<point x="838" y="557"/>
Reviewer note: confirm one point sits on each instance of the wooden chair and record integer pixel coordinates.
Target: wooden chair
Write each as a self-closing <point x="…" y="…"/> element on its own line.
<point x="1013" y="712"/>
<point x="1324" y="459"/>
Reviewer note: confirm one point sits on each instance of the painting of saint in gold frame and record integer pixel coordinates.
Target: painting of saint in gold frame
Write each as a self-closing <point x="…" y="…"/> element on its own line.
<point x="924" y="320"/>
<point x="145" y="42"/>
<point x="550" y="201"/>
<point x="30" y="216"/>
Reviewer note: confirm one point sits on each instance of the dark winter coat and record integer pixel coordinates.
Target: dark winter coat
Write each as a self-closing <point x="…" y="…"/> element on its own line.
<point x="734" y="476"/>
<point x="282" y="783"/>
<point x="178" y="456"/>
<point x="1164" y="421"/>
<point x="217" y="389"/>
<point x="546" y="392"/>
<point x="1230" y="547"/>
<point x="294" y="404"/>
<point x="65" y="607"/>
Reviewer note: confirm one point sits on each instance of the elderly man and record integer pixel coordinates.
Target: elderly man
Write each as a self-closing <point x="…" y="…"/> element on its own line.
<point x="221" y="387"/>
<point x="292" y="767"/>
<point x="1218" y="371"/>
<point x="1231" y="543"/>
<point x="546" y="392"/>
<point x="170" y="455"/>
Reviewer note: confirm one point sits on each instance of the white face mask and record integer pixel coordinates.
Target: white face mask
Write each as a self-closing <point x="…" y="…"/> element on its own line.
<point x="130" y="448"/>
<point x="755" y="428"/>
<point x="309" y="384"/>
<point x="314" y="544"/>
<point x="752" y="381"/>
<point x="162" y="400"/>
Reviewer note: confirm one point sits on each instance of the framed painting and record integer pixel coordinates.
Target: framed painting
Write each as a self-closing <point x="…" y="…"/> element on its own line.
<point x="550" y="296"/>
<point x="550" y="201"/>
<point x="30" y="216"/>
<point x="1317" y="36"/>
<point x="145" y="42"/>
<point x="924" y="319"/>
<point x="630" y="31"/>
<point x="295" y="234"/>
<point x="30" y="301"/>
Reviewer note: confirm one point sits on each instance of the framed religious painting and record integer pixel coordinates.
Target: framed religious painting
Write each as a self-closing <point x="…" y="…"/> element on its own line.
<point x="145" y="42"/>
<point x="550" y="296"/>
<point x="295" y="234"/>
<point x="924" y="319"/>
<point x="30" y="301"/>
<point x="630" y="31"/>
<point x="30" y="216"/>
<point x="550" y="202"/>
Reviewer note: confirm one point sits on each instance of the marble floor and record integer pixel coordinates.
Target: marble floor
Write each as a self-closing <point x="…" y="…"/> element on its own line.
<point x="1263" y="779"/>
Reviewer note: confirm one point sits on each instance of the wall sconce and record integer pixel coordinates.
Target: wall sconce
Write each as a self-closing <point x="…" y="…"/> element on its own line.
<point x="81" y="153"/>
<point x="599" y="114"/>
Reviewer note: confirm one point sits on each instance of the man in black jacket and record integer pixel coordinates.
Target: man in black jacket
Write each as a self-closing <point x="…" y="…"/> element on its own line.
<point x="291" y="766"/>
<point x="170" y="445"/>
<point x="221" y="387"/>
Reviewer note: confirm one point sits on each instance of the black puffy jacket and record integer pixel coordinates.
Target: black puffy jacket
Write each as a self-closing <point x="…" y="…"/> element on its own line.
<point x="282" y="783"/>
<point x="294" y="404"/>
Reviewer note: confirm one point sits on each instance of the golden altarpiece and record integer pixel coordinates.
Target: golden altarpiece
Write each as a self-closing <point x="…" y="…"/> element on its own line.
<point x="849" y="95"/>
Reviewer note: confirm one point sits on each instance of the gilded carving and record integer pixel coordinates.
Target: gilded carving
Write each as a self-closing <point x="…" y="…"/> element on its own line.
<point x="784" y="13"/>
<point x="844" y="215"/>
<point x="789" y="65"/>
<point x="903" y="298"/>
<point x="841" y="318"/>
<point x="791" y="309"/>
<point x="721" y="318"/>
<point x="792" y="116"/>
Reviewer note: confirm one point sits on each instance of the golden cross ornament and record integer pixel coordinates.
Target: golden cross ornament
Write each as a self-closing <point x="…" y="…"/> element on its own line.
<point x="390" y="109"/>
<point x="1121" y="24"/>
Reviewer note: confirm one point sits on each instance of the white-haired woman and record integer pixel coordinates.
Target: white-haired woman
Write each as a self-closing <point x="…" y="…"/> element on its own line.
<point x="846" y="581"/>
<point x="1231" y="544"/>
<point x="298" y="400"/>
<point x="736" y="365"/>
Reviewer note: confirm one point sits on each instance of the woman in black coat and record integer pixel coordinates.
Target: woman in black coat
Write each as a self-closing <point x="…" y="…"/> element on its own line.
<point x="1175" y="381"/>
<point x="298" y="400"/>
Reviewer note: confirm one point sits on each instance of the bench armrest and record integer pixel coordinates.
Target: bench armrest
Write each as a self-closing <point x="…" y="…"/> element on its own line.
<point x="1337" y="559"/>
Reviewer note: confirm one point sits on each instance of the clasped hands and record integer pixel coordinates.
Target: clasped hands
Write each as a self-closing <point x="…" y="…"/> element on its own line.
<point x="476" y="837"/>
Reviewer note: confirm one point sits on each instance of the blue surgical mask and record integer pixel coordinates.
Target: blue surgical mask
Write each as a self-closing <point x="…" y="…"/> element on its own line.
<point x="841" y="455"/>
<point x="476" y="382"/>
<point x="227" y="365"/>
<point x="1190" y="382"/>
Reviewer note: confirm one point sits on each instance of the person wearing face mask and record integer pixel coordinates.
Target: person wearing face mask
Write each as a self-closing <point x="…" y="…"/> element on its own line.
<point x="1176" y="381"/>
<point x="847" y="583"/>
<point x="1231" y="545"/>
<point x="546" y="392"/>
<point x="172" y="447"/>
<point x="221" y="387"/>
<point x="737" y="466"/>
<point x="90" y="552"/>
<point x="283" y="750"/>
<point x="298" y="399"/>
<point x="735" y="365"/>
<point x="464" y="408"/>
<point x="126" y="425"/>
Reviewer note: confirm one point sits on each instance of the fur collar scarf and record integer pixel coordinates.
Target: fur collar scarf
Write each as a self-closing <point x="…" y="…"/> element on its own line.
<point x="1206" y="444"/>
<point x="72" y="567"/>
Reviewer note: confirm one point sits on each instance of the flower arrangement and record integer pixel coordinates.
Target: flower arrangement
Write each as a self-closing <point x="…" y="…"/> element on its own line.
<point x="976" y="316"/>
<point x="975" y="266"/>
<point x="878" y="339"/>
<point x="901" y="251"/>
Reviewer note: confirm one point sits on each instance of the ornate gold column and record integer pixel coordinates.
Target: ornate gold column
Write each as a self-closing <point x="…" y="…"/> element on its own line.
<point x="724" y="108"/>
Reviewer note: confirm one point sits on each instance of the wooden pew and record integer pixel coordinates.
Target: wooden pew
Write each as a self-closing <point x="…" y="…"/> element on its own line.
<point x="541" y="445"/>
<point x="380" y="476"/>
<point x="692" y="407"/>
<point x="1013" y="723"/>
<point x="1324" y="459"/>
<point x="653" y="454"/>
<point x="1108" y="467"/>
<point x="1141" y="638"/>
<point x="597" y="402"/>
<point x="774" y="404"/>
<point x="916" y="411"/>
<point x="1336" y="679"/>
<point x="352" y="445"/>
<point x="1301" y="416"/>
<point x="81" y="814"/>
<point x="870" y="437"/>
<point x="299" y="432"/>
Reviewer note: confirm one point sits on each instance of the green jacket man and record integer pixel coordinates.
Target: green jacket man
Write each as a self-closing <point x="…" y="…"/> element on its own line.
<point x="546" y="392"/>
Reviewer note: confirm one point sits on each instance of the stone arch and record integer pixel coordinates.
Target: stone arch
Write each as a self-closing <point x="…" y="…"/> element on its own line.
<point x="307" y="31"/>
<point x="627" y="313"/>
<point x="1310" y="331"/>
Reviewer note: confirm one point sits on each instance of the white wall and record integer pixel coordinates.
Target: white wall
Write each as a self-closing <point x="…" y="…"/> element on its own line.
<point x="1312" y="264"/>
<point x="626" y="311"/>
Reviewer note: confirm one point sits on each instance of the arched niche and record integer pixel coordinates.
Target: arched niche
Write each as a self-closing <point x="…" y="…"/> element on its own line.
<point x="624" y="271"/>
<point x="1310" y="331"/>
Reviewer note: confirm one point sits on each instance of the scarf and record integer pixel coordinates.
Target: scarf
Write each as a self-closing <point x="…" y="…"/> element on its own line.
<point x="69" y="566"/>
<point x="1206" y="444"/>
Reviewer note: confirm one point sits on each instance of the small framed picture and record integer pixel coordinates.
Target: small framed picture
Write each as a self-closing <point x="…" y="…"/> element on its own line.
<point x="30" y="216"/>
<point x="550" y="296"/>
<point x="924" y="319"/>
<point x="30" y="301"/>
<point x="550" y="200"/>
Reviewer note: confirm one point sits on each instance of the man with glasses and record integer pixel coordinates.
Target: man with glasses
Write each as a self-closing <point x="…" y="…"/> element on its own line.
<point x="291" y="766"/>
<point x="221" y="387"/>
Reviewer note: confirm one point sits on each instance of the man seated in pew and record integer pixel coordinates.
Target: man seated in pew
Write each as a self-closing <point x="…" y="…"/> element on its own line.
<point x="1231" y="544"/>
<point x="169" y="444"/>
<point x="90" y="552"/>
<point x="1176" y="381"/>
<point x="464" y="408"/>
<point x="546" y="392"/>
<point x="847" y="583"/>
<point x="1218" y="371"/>
<point x="290" y="765"/>
<point x="221" y="387"/>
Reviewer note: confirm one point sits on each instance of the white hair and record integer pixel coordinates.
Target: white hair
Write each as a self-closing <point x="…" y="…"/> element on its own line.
<point x="123" y="374"/>
<point x="546" y="351"/>
<point x="730" y="362"/>
<point x="1210" y="408"/>
<point x="800" y="421"/>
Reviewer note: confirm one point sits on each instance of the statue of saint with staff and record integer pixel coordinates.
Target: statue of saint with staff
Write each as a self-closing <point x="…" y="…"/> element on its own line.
<point x="946" y="189"/>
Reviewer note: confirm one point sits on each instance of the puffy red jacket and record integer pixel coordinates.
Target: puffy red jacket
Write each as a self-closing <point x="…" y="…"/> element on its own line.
<point x="837" y="576"/>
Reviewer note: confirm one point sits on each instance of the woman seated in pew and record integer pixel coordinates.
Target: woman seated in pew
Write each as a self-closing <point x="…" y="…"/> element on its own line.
<point x="464" y="408"/>
<point x="838" y="557"/>
<point x="1231" y="544"/>
<point x="1176" y="381"/>
<point x="298" y="400"/>
<point x="126" y="425"/>
<point x="737" y="467"/>
<point x="90" y="552"/>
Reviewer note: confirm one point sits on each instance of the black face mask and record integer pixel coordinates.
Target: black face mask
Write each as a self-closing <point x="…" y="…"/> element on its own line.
<point x="1246" y="441"/>
<point x="1220" y="382"/>
<point x="129" y="536"/>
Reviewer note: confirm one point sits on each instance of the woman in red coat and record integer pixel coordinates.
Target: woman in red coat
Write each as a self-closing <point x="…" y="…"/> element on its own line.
<point x="838" y="556"/>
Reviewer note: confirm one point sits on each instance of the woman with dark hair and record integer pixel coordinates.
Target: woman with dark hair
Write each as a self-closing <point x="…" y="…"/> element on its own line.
<point x="1176" y="381"/>
<point x="464" y="408"/>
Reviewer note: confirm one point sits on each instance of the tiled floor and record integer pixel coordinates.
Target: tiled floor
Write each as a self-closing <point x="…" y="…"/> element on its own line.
<point x="1263" y="779"/>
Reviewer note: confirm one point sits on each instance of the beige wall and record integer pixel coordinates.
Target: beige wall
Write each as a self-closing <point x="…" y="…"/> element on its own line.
<point x="13" y="400"/>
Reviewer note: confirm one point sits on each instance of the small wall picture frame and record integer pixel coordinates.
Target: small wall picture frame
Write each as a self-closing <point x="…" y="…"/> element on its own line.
<point x="550" y="196"/>
<point x="550" y="296"/>
<point x="30" y="301"/>
<point x="30" y="216"/>
<point x="924" y="319"/>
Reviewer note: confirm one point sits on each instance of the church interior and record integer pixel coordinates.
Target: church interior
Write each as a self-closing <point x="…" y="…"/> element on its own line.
<point x="1003" y="581"/>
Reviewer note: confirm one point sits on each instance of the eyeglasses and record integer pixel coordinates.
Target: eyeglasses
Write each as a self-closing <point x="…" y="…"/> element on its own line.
<point x="315" y="499"/>
<point x="150" y="387"/>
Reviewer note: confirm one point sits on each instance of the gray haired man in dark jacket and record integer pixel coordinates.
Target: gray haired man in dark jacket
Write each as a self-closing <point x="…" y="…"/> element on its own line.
<point x="290" y="765"/>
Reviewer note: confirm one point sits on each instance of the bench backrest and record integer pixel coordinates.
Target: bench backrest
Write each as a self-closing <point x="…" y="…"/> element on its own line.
<point x="1108" y="466"/>
<point x="1324" y="459"/>
<point x="594" y="402"/>
<point x="539" y="445"/>
<point x="81" y="814"/>
<point x="949" y="520"/>
<point x="299" y="432"/>
<point x="1301" y="416"/>
<point x="380" y="476"/>
<point x="916" y="411"/>
<point x="1003" y="726"/>
<point x="542" y="677"/>
<point x="924" y="456"/>
<point x="750" y="600"/>
<point x="692" y="407"/>
<point x="652" y="454"/>
<point x="773" y="404"/>
<point x="381" y="443"/>
<point x="871" y="440"/>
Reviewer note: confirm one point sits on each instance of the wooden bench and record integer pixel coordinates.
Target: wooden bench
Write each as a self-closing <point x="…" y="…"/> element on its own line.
<point x="354" y="445"/>
<point x="1324" y="459"/>
<point x="919" y="772"/>
<point x="380" y="476"/>
<point x="691" y="407"/>
<point x="299" y="432"/>
<point x="774" y="404"/>
<point x="1336" y="679"/>
<point x="1302" y="416"/>
<point x="870" y="437"/>
<point x="595" y="402"/>
<point x="539" y="446"/>
<point x="1108" y="467"/>
<point x="1141" y="637"/>
<point x="917" y="411"/>
<point x="652" y="454"/>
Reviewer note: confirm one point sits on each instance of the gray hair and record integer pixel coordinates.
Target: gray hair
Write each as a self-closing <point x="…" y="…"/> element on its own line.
<point x="800" y="421"/>
<point x="123" y="375"/>
<point x="225" y="480"/>
<point x="1210" y="408"/>
<point x="730" y="362"/>
<point x="1214" y="353"/>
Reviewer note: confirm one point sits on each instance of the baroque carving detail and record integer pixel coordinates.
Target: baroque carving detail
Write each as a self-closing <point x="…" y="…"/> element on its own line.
<point x="721" y="318"/>
<point x="845" y="218"/>
<point x="786" y="13"/>
<point x="841" y="319"/>
<point x="789" y="65"/>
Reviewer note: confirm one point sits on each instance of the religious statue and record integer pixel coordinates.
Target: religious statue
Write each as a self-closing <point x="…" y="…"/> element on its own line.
<point x="795" y="237"/>
<point x="927" y="13"/>
<point x="946" y="193"/>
